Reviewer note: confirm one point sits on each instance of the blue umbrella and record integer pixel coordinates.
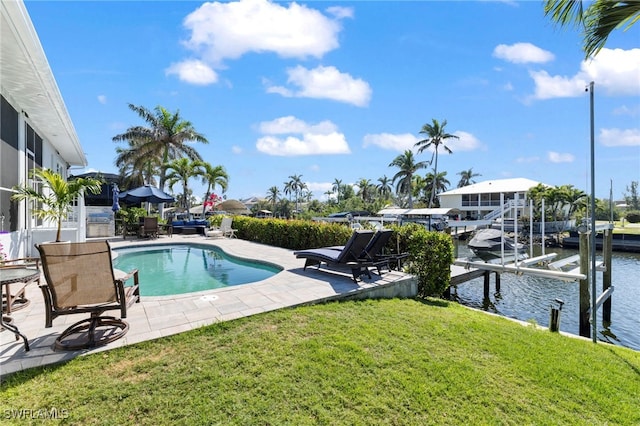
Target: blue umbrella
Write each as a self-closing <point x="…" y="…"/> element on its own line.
<point x="145" y="194"/>
<point x="116" y="206"/>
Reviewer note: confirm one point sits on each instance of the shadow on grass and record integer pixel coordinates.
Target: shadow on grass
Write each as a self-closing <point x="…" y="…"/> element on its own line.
<point x="634" y="368"/>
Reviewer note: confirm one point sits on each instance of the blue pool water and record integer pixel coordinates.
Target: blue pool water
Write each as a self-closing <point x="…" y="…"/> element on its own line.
<point x="186" y="268"/>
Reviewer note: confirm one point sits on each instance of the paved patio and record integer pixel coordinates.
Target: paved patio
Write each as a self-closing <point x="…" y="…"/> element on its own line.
<point x="160" y="316"/>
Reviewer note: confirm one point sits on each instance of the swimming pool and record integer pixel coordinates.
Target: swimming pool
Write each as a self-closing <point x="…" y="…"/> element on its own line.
<point x="186" y="268"/>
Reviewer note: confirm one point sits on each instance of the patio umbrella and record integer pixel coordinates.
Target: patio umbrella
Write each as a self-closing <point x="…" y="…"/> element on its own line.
<point x="145" y="194"/>
<point x="116" y="205"/>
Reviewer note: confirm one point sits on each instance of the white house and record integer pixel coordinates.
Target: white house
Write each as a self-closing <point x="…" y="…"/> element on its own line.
<point x="481" y="199"/>
<point x="35" y="129"/>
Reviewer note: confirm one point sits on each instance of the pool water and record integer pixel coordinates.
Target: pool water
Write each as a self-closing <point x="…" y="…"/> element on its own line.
<point x="187" y="268"/>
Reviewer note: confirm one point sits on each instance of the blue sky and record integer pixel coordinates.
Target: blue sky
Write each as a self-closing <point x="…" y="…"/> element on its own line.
<point x="336" y="90"/>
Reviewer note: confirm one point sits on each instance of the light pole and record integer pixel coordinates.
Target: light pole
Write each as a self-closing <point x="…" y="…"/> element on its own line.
<point x="592" y="236"/>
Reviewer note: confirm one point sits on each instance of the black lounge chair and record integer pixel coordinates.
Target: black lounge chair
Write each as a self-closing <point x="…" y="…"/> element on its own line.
<point x="349" y="256"/>
<point x="374" y="251"/>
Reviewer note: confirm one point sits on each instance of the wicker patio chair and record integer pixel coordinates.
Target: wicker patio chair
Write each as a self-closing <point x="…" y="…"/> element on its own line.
<point x="79" y="278"/>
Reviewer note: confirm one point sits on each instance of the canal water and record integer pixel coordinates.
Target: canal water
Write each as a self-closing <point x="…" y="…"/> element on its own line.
<point x="530" y="298"/>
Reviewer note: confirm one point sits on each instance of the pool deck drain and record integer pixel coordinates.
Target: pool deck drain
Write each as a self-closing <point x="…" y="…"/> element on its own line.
<point x="159" y="316"/>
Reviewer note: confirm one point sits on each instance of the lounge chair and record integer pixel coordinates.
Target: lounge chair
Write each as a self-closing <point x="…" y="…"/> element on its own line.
<point x="348" y="257"/>
<point x="79" y="278"/>
<point x="225" y="227"/>
<point x="374" y="251"/>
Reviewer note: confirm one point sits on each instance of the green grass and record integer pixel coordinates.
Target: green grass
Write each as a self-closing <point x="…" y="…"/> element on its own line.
<point x="354" y="363"/>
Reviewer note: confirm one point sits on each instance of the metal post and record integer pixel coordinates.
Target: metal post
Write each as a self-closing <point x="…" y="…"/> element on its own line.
<point x="592" y="245"/>
<point x="607" y="244"/>
<point x="584" y="330"/>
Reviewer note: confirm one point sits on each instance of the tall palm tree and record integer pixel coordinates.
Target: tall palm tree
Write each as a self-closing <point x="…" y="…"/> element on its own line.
<point x="165" y="139"/>
<point x="404" y="177"/>
<point x="436" y="137"/>
<point x="213" y="176"/>
<point x="384" y="187"/>
<point x="365" y="189"/>
<point x="296" y="186"/>
<point x="466" y="177"/>
<point x="272" y="197"/>
<point x="337" y="188"/>
<point x="598" y="19"/>
<point x="180" y="171"/>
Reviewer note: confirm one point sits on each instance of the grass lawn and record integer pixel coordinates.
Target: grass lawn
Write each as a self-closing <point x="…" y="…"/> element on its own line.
<point x="354" y="363"/>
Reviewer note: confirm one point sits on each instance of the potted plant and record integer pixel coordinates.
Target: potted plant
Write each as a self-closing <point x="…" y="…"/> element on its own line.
<point x="54" y="201"/>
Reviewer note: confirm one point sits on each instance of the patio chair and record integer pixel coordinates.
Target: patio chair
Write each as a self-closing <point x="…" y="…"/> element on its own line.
<point x="79" y="278"/>
<point x="225" y="227"/>
<point x="149" y="227"/>
<point x="374" y="252"/>
<point x="350" y="256"/>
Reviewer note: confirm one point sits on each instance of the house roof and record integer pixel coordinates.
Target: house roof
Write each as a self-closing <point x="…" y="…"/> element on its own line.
<point x="494" y="186"/>
<point x="28" y="81"/>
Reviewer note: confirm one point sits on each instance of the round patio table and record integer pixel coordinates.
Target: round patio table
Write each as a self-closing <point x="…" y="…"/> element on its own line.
<point x="13" y="275"/>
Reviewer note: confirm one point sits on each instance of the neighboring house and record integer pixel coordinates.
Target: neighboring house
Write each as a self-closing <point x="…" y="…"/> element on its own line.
<point x="481" y="199"/>
<point x="35" y="130"/>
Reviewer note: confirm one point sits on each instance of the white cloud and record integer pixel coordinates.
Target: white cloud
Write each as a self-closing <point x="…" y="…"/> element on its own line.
<point x="557" y="157"/>
<point x="618" y="137"/>
<point x="340" y="12"/>
<point x="193" y="71"/>
<point x="236" y="149"/>
<point x="308" y="144"/>
<point x="319" y="186"/>
<point x="102" y="99"/>
<point x="291" y="124"/>
<point x="614" y="71"/>
<point x="399" y="142"/>
<point x="325" y="83"/>
<point x="290" y="136"/>
<point x="465" y="142"/>
<point x="522" y="53"/>
<point x="229" y="30"/>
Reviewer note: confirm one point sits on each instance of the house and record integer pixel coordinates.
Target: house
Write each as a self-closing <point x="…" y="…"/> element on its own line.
<point x="35" y="130"/>
<point x="488" y="199"/>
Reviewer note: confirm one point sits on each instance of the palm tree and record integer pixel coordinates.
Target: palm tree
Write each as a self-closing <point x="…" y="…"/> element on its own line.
<point x="384" y="187"/>
<point x="337" y="188"/>
<point x="180" y="171"/>
<point x="54" y="199"/>
<point x="436" y="137"/>
<point x="437" y="182"/>
<point x="466" y="177"/>
<point x="213" y="176"/>
<point x="296" y="186"/>
<point x="404" y="177"/>
<point x="598" y="19"/>
<point x="163" y="141"/>
<point x="135" y="168"/>
<point x="272" y="196"/>
<point x="365" y="189"/>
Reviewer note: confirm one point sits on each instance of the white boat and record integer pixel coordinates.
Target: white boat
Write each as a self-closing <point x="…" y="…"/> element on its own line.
<point x="492" y="245"/>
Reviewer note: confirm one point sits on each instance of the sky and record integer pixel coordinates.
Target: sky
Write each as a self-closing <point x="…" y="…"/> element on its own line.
<point x="336" y="90"/>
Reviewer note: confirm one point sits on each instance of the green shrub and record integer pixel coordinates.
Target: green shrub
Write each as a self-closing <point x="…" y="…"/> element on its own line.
<point x="430" y="257"/>
<point x="633" y="216"/>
